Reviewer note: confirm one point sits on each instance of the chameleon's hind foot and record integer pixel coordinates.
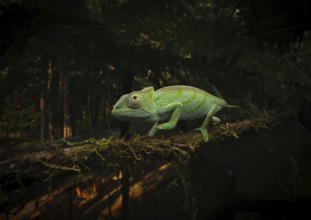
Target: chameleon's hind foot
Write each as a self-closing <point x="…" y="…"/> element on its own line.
<point x="203" y="132"/>
<point x="215" y="120"/>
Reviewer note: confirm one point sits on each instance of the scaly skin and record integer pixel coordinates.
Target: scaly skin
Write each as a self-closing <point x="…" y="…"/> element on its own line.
<point x="170" y="104"/>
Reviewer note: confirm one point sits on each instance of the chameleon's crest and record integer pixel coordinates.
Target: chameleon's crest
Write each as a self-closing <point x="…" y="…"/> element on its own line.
<point x="148" y="96"/>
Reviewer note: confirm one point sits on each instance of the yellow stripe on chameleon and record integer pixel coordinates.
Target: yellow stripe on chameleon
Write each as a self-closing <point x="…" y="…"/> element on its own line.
<point x="179" y="91"/>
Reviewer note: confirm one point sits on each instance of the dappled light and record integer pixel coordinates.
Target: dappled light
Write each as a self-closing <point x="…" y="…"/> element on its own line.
<point x="93" y="195"/>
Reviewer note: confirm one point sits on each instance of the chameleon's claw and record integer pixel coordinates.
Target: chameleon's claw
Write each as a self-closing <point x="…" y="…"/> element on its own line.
<point x="216" y="119"/>
<point x="203" y="132"/>
<point x="165" y="126"/>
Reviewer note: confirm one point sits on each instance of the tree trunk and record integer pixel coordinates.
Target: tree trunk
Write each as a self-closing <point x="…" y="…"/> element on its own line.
<point x="49" y="100"/>
<point x="67" y="130"/>
<point x="43" y="116"/>
<point x="45" y="109"/>
<point x="127" y="84"/>
<point x="60" y="101"/>
<point x="90" y="110"/>
<point x="95" y="111"/>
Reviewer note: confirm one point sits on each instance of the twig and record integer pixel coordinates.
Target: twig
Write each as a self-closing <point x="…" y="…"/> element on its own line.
<point x="54" y="166"/>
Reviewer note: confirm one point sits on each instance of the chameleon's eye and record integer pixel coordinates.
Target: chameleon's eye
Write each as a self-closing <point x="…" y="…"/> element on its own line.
<point x="135" y="100"/>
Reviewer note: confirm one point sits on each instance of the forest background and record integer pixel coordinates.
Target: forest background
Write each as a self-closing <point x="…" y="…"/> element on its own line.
<point x="63" y="64"/>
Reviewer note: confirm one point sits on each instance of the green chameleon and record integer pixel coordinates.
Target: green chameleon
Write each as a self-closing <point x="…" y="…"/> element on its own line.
<point x="171" y="104"/>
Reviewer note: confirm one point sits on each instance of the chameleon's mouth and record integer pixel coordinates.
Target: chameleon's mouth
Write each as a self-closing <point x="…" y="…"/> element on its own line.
<point x="129" y="116"/>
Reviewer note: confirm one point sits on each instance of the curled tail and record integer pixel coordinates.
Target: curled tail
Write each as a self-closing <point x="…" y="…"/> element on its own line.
<point x="231" y="106"/>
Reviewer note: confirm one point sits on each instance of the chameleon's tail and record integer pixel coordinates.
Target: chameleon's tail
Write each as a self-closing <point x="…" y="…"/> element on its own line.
<point x="232" y="106"/>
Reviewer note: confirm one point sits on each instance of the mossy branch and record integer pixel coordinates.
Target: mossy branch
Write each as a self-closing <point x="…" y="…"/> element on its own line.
<point x="108" y="153"/>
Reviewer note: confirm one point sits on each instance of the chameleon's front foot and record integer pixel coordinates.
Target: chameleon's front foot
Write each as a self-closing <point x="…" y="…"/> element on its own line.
<point x="203" y="132"/>
<point x="166" y="126"/>
<point x="153" y="130"/>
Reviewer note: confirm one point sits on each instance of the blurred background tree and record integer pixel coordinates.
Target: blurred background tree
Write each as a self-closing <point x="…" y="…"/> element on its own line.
<point x="64" y="63"/>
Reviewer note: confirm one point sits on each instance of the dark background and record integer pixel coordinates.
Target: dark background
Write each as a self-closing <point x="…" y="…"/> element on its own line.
<point x="63" y="65"/>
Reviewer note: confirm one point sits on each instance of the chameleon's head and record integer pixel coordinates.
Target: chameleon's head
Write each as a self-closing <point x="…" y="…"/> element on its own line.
<point x="134" y="106"/>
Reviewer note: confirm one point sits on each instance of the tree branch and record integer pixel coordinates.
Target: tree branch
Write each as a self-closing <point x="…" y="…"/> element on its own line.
<point x="111" y="153"/>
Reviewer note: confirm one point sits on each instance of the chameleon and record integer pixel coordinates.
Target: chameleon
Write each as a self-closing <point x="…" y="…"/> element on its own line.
<point x="166" y="106"/>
